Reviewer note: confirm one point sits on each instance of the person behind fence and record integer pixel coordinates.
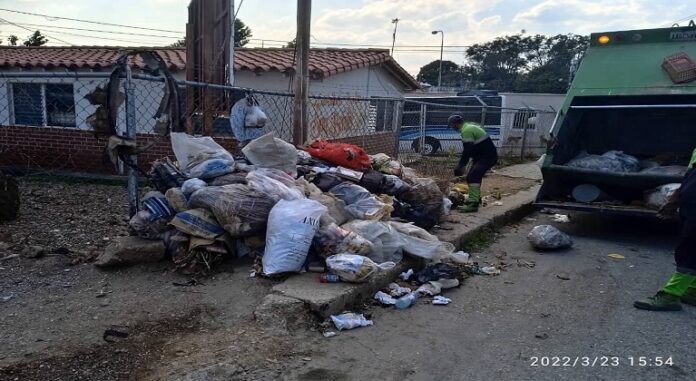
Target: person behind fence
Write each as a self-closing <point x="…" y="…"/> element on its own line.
<point x="681" y="287"/>
<point x="478" y="147"/>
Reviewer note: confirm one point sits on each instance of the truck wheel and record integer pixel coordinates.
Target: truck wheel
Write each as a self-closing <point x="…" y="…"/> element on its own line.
<point x="431" y="146"/>
<point x="9" y="198"/>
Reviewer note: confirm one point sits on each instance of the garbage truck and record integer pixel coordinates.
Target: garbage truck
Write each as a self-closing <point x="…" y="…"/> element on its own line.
<point x="627" y="125"/>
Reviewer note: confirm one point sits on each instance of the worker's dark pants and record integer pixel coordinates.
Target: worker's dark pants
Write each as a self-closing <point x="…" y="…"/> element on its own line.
<point x="685" y="253"/>
<point x="478" y="170"/>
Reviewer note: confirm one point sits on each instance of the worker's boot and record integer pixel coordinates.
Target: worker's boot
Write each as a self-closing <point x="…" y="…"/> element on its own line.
<point x="689" y="296"/>
<point x="472" y="204"/>
<point x="662" y="301"/>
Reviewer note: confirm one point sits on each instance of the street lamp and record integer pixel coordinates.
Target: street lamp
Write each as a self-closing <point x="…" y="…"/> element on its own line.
<point x="442" y="44"/>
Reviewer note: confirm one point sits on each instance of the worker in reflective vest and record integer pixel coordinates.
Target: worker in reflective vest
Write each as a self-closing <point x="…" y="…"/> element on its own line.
<point x="478" y="147"/>
<point x="681" y="287"/>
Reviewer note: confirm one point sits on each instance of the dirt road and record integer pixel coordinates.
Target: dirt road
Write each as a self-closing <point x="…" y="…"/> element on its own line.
<point x="575" y="303"/>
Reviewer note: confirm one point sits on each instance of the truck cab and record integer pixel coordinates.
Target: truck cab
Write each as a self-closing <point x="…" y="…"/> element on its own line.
<point x="623" y="99"/>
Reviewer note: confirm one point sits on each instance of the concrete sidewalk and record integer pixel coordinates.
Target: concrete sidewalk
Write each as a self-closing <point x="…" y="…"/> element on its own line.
<point x="326" y="299"/>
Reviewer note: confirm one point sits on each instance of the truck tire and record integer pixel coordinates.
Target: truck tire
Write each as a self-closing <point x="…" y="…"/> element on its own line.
<point x="9" y="198"/>
<point x="431" y="146"/>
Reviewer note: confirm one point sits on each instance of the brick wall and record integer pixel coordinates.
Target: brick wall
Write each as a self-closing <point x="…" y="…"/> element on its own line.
<point x="65" y="149"/>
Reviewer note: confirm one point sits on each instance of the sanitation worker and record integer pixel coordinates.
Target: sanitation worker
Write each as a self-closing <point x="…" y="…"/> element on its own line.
<point x="478" y="147"/>
<point x="681" y="287"/>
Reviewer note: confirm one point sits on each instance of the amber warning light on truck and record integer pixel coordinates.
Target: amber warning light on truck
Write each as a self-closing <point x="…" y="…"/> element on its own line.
<point x="603" y="39"/>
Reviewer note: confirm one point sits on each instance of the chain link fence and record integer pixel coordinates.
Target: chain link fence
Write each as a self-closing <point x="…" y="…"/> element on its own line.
<point x="428" y="145"/>
<point x="45" y="119"/>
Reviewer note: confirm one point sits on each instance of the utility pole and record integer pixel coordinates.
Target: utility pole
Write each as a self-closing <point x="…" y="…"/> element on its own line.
<point x="396" y="23"/>
<point x="299" y="120"/>
<point x="442" y="45"/>
<point x="231" y="59"/>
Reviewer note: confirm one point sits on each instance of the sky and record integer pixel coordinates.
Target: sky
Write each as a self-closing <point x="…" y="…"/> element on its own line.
<point x="349" y="24"/>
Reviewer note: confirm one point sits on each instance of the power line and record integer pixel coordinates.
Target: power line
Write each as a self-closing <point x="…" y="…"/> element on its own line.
<point x="19" y="26"/>
<point x="49" y="17"/>
<point x="97" y="30"/>
<point x="683" y="19"/>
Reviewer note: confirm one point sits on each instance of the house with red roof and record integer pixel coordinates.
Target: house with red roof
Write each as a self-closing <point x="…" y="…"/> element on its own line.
<point x="43" y="121"/>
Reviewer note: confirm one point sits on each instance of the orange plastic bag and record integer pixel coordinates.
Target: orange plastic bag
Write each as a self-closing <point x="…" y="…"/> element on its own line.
<point x="343" y="154"/>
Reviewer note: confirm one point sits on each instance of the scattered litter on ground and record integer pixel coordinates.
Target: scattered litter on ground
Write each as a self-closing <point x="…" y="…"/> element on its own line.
<point x="616" y="256"/>
<point x="561" y="277"/>
<point x="384" y="298"/>
<point x="406" y="275"/>
<point x="115" y="332"/>
<point x="397" y="291"/>
<point x="6" y="298"/>
<point x="561" y="218"/>
<point x="441" y="301"/>
<point x="328" y="334"/>
<point x="547" y="237"/>
<point x="542" y="336"/>
<point x="490" y="270"/>
<point x="350" y="320"/>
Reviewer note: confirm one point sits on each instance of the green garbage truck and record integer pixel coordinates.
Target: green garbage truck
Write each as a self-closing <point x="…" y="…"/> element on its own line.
<point x="628" y="123"/>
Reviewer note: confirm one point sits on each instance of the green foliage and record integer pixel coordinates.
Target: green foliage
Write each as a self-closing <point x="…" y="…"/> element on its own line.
<point x="242" y="33"/>
<point x="291" y="44"/>
<point x="12" y="40"/>
<point x="535" y="64"/>
<point x="36" y="39"/>
<point x="178" y="44"/>
<point x="451" y="73"/>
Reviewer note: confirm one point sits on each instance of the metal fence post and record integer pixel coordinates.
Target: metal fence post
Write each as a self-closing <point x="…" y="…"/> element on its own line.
<point x="396" y="125"/>
<point x="133" y="201"/>
<point x="526" y="114"/>
<point x="423" y="116"/>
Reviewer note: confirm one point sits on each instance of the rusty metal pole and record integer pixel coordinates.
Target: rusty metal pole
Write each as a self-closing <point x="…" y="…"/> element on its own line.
<point x="300" y="120"/>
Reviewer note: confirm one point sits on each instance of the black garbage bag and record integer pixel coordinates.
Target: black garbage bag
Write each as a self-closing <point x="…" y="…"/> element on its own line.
<point x="422" y="204"/>
<point x="372" y="181"/>
<point x="417" y="216"/>
<point x="436" y="272"/>
<point x="326" y="181"/>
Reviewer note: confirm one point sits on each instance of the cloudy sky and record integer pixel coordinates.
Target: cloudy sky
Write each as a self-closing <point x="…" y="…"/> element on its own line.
<point x="346" y="23"/>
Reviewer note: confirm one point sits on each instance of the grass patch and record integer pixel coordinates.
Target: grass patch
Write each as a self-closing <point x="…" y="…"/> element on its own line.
<point x="480" y="240"/>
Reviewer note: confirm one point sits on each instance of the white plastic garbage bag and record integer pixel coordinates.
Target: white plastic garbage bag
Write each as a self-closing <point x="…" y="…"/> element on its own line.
<point x="274" y="183"/>
<point x="387" y="243"/>
<point x="191" y="185"/>
<point x="270" y="152"/>
<point x="201" y="156"/>
<point x="291" y="228"/>
<point x="547" y="237"/>
<point x="350" y="320"/>
<point x="658" y="197"/>
<point x="354" y="268"/>
<point x="420" y="243"/>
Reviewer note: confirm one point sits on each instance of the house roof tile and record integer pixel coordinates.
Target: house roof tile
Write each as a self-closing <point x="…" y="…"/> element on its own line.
<point x="322" y="62"/>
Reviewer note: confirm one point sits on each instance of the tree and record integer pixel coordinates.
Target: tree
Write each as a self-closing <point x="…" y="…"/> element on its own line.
<point x="36" y="39"/>
<point x="242" y="33"/>
<point x="524" y="63"/>
<point x="291" y="44"/>
<point x="178" y="44"/>
<point x="12" y="40"/>
<point x="451" y="73"/>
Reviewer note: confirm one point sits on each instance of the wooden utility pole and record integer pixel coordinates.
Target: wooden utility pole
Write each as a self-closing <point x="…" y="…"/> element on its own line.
<point x="300" y="120"/>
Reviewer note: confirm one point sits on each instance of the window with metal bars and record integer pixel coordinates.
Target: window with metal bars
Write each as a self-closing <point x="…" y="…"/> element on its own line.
<point x="43" y="104"/>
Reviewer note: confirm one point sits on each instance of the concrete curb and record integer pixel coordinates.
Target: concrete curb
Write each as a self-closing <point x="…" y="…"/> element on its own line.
<point x="329" y="299"/>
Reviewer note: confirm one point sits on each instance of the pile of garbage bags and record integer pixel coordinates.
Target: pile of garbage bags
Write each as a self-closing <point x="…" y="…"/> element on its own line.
<point x="331" y="203"/>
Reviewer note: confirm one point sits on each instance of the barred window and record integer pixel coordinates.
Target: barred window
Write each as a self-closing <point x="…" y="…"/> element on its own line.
<point x="38" y="104"/>
<point x="522" y="119"/>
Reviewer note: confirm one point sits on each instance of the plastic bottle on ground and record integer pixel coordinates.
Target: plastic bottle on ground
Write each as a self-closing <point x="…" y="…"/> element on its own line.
<point x="329" y="278"/>
<point x="406" y="300"/>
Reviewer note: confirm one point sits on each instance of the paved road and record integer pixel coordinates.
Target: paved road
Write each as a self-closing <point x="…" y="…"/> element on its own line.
<point x="497" y="325"/>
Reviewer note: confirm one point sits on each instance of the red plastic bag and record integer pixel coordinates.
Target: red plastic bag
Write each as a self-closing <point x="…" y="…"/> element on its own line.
<point x="343" y="154"/>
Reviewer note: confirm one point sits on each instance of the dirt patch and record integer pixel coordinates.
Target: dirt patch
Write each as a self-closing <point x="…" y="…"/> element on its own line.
<point x="73" y="219"/>
<point x="120" y="360"/>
